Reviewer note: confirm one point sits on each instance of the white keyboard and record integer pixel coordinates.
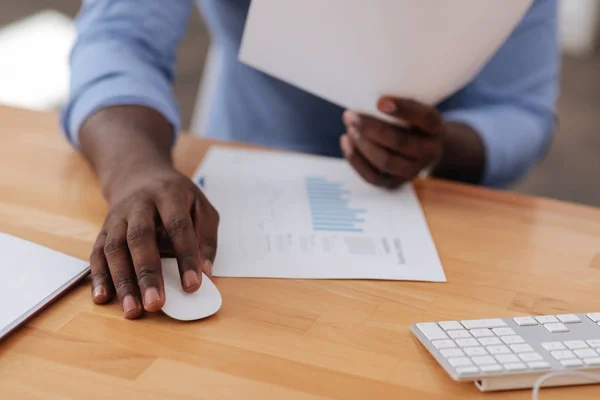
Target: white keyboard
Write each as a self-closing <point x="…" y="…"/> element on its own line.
<point x="512" y="353"/>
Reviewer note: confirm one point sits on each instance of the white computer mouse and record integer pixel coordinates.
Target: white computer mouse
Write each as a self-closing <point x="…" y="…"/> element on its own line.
<point x="183" y="306"/>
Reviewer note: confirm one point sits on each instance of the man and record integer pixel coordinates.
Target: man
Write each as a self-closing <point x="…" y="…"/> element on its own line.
<point x="122" y="116"/>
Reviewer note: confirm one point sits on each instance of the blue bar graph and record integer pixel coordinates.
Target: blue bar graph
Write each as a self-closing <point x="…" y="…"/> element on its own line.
<point x="329" y="207"/>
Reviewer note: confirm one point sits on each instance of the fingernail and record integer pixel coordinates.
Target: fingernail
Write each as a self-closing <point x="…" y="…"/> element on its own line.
<point x="151" y="296"/>
<point x="351" y="118"/>
<point x="190" y="279"/>
<point x="208" y="267"/>
<point x="99" y="292"/>
<point x="346" y="146"/>
<point x="387" y="106"/>
<point x="129" y="305"/>
<point x="353" y="132"/>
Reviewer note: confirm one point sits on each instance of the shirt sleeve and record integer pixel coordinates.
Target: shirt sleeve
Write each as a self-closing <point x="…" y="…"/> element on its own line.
<point x="511" y="103"/>
<point x="124" y="53"/>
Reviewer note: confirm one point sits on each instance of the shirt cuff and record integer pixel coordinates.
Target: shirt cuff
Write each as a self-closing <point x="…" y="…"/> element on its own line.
<point x="513" y="140"/>
<point x="117" y="90"/>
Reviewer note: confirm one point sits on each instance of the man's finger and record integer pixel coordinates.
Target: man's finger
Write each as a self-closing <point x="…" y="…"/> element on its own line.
<point x="175" y="214"/>
<point x="364" y="169"/>
<point x="206" y="224"/>
<point x="102" y="287"/>
<point x="381" y="158"/>
<point x="141" y="239"/>
<point x="121" y="270"/>
<point x="405" y="142"/>
<point x="426" y="118"/>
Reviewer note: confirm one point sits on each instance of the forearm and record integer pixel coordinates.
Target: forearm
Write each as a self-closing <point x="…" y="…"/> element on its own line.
<point x="123" y="64"/>
<point x="125" y="138"/>
<point x="463" y="155"/>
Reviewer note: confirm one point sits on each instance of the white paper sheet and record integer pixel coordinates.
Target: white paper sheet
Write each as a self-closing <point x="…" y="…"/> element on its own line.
<point x="350" y="52"/>
<point x="304" y="216"/>
<point x="31" y="276"/>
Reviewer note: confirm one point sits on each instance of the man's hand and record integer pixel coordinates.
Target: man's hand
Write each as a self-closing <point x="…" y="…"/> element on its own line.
<point x="150" y="203"/>
<point x="386" y="155"/>
<point x="155" y="203"/>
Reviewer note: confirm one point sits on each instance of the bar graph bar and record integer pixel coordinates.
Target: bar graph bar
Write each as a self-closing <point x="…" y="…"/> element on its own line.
<point x="330" y="207"/>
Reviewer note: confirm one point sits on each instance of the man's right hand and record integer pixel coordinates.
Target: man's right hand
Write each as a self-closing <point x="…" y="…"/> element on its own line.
<point x="150" y="202"/>
<point x="154" y="202"/>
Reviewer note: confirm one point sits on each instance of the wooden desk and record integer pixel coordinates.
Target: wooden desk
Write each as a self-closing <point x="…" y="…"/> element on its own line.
<point x="504" y="255"/>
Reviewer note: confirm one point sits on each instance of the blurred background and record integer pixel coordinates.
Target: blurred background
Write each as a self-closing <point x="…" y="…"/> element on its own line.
<point x="36" y="36"/>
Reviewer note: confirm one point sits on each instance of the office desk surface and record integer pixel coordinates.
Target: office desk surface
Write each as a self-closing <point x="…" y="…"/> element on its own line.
<point x="504" y="255"/>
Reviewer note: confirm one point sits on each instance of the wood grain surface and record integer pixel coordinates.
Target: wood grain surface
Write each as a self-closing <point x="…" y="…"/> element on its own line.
<point x="504" y="255"/>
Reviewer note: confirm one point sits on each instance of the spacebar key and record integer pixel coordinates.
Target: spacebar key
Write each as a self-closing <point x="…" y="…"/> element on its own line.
<point x="432" y="331"/>
<point x="483" y="323"/>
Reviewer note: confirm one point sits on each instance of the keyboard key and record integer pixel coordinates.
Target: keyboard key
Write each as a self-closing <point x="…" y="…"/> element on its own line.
<point x="491" y="368"/>
<point x="483" y="323"/>
<point x="585" y="353"/>
<point x="592" y="361"/>
<point x="550" y="346"/>
<point x="484" y="360"/>
<point x="521" y="348"/>
<point x="514" y="339"/>
<point x="459" y="361"/>
<point x="490" y="341"/>
<point x="467" y="370"/>
<point x="562" y="354"/>
<point x="498" y="350"/>
<point x="479" y="333"/>
<point x="558" y="327"/>
<point x="568" y="318"/>
<point x="503" y="331"/>
<point x="443" y="344"/>
<point x="475" y="351"/>
<point x="450" y="325"/>
<point x="594" y="316"/>
<point x="515" y="366"/>
<point x="452" y="353"/>
<point x="594" y="342"/>
<point x="572" y="362"/>
<point x="576" y="344"/>
<point x="431" y="331"/>
<point x="467" y="342"/>
<point x="539" y="365"/>
<point x="546" y="319"/>
<point x="528" y="357"/>
<point x="525" y="321"/>
<point x="507" y="358"/>
<point x="461" y="334"/>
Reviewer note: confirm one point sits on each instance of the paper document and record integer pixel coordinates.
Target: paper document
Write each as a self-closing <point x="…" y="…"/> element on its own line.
<point x="350" y="52"/>
<point x="304" y="216"/>
<point x="31" y="276"/>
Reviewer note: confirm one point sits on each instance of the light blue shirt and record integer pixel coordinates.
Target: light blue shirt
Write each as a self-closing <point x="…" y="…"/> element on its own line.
<point x="125" y="54"/>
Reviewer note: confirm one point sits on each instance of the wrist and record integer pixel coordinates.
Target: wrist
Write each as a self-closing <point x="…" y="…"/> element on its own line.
<point x="124" y="142"/>
<point x="463" y="155"/>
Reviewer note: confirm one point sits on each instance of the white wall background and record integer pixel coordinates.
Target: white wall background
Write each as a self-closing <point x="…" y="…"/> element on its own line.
<point x="578" y="26"/>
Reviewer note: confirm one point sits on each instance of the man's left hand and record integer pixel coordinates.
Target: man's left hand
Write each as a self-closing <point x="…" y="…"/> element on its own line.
<point x="387" y="155"/>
